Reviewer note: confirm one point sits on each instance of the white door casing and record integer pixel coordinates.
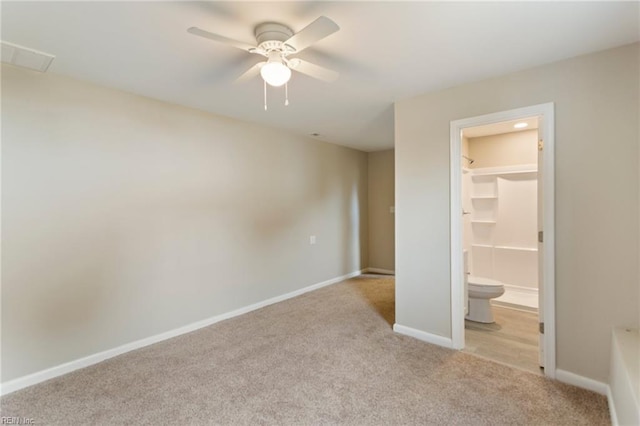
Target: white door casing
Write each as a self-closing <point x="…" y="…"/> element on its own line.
<point x="540" y="214"/>
<point x="545" y="112"/>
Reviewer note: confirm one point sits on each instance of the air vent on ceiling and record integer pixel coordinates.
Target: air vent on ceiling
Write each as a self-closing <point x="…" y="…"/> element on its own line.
<point x="25" y="57"/>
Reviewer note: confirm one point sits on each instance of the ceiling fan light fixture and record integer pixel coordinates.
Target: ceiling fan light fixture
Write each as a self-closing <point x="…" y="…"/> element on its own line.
<point x="275" y="72"/>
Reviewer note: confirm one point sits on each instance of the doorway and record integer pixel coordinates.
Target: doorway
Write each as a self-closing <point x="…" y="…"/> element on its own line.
<point x="526" y="259"/>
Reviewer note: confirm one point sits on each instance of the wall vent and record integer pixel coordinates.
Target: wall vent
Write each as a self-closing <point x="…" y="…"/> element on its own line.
<point x="24" y="57"/>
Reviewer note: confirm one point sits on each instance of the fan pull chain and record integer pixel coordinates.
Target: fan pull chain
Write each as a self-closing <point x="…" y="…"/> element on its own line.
<point x="265" y="95"/>
<point x="286" y="94"/>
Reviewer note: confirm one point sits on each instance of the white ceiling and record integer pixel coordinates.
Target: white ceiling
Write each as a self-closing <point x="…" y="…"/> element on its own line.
<point x="385" y="51"/>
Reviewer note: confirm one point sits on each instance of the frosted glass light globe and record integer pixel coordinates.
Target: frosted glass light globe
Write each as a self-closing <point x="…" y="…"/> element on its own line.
<point x="275" y="73"/>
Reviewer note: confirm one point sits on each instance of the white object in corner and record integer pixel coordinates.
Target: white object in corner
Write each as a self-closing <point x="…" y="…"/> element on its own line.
<point x="624" y="377"/>
<point x="68" y="367"/>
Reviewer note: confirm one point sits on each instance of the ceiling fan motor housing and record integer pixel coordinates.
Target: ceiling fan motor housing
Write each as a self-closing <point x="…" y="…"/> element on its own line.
<point x="271" y="35"/>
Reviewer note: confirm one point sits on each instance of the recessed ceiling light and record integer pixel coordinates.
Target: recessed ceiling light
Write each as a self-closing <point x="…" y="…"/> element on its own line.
<point x="520" y="125"/>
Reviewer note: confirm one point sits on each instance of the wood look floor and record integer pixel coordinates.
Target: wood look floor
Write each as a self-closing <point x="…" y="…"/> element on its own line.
<point x="511" y="340"/>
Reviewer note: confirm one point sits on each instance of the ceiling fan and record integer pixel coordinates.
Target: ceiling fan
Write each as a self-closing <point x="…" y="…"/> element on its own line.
<point x="277" y="43"/>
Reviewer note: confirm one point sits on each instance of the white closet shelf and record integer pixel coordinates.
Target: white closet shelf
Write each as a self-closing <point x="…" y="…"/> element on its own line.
<point x="482" y="245"/>
<point x="505" y="171"/>
<point x="518" y="172"/>
<point x="504" y="247"/>
<point x="487" y="222"/>
<point x="517" y="248"/>
<point x="484" y="197"/>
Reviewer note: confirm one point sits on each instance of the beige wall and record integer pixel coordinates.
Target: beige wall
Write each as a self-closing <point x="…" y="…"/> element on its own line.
<point x="505" y="149"/>
<point x="596" y="100"/>
<point x="465" y="151"/>
<point x="381" y="220"/>
<point x="125" y="217"/>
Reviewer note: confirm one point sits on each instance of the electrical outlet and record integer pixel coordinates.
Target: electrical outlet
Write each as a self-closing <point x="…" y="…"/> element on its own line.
<point x="312" y="239"/>
<point x="392" y="209"/>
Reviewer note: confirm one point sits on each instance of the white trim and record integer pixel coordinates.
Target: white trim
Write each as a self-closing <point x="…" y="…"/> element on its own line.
<point x="68" y="367"/>
<point x="379" y="271"/>
<point x="457" y="286"/>
<point x="457" y="255"/>
<point x="423" y="335"/>
<point x="582" y="382"/>
<point x="612" y="408"/>
<point x="549" y="244"/>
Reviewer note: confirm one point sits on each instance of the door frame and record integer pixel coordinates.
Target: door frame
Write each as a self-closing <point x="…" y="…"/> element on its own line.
<point x="548" y="246"/>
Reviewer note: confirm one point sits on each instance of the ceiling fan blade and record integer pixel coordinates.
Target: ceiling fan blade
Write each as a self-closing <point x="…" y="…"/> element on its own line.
<point x="222" y="39"/>
<point x="313" y="70"/>
<point x="250" y="73"/>
<point x="315" y="31"/>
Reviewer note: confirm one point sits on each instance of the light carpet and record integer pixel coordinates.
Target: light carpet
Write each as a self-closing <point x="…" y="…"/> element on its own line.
<point x="326" y="357"/>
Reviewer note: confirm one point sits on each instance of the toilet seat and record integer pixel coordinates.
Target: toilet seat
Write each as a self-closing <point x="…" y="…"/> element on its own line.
<point x="484" y="288"/>
<point x="483" y="282"/>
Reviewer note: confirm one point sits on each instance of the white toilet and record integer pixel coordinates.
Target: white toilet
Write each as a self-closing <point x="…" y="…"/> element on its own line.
<point x="481" y="290"/>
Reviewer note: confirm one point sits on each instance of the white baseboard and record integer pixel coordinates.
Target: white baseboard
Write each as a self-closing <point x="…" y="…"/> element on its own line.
<point x="379" y="271"/>
<point x="582" y="382"/>
<point x="612" y="408"/>
<point x="68" y="367"/>
<point x="592" y="385"/>
<point x="424" y="336"/>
